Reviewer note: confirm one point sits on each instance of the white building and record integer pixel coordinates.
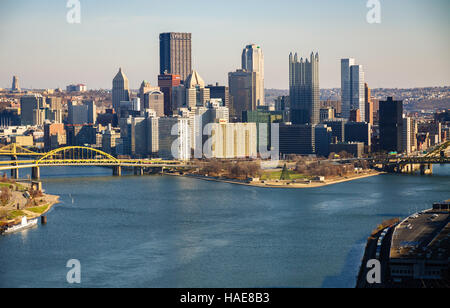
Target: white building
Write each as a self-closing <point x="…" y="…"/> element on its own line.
<point x="410" y="130"/>
<point x="232" y="140"/>
<point x="352" y="87"/>
<point x="253" y="61"/>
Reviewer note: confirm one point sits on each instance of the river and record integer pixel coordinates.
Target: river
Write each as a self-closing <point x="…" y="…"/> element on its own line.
<point x="157" y="231"/>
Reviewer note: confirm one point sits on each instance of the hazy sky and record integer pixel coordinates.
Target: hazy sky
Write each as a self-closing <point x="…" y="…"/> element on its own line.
<point x="410" y="48"/>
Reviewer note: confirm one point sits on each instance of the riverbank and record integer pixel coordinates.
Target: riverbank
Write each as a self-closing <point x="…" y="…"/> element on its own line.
<point x="285" y="184"/>
<point x="19" y="201"/>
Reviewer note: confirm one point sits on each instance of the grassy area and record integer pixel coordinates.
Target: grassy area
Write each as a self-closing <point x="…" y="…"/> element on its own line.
<point x="276" y="175"/>
<point x="15" y="214"/>
<point x="20" y="187"/>
<point x="38" y="209"/>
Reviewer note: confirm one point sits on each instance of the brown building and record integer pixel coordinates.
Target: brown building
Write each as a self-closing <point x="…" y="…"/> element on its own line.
<point x="166" y="82"/>
<point x="369" y="105"/>
<point x="54" y="136"/>
<point x="355" y="115"/>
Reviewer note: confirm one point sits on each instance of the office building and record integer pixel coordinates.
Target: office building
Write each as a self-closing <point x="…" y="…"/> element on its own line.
<point x="352" y="88"/>
<point x="338" y="129"/>
<point x="304" y="89"/>
<point x="253" y="61"/>
<point x="166" y="83"/>
<point x="297" y="139"/>
<point x="264" y="121"/>
<point x="327" y="114"/>
<point x="30" y="106"/>
<point x="410" y="131"/>
<point x="174" y="138"/>
<point x="76" y="88"/>
<point x="110" y="140"/>
<point x="220" y="92"/>
<point x="232" y="141"/>
<point x="120" y="90"/>
<point x="197" y="95"/>
<point x="242" y="93"/>
<point x="323" y="139"/>
<point x="176" y="54"/>
<point x="154" y="100"/>
<point x="355" y="115"/>
<point x="359" y="132"/>
<point x="54" y="136"/>
<point x="391" y="125"/>
<point x="369" y="105"/>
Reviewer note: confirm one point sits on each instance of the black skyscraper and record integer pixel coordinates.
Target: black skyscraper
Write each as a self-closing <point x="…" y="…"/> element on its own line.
<point x="175" y="54"/>
<point x="391" y="125"/>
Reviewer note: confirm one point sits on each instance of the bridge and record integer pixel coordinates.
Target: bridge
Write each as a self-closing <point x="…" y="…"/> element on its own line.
<point x="409" y="164"/>
<point x="77" y="156"/>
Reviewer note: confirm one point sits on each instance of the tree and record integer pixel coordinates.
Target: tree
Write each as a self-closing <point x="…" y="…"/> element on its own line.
<point x="5" y="196"/>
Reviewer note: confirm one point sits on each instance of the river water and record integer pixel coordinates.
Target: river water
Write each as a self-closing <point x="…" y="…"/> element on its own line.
<point x="157" y="231"/>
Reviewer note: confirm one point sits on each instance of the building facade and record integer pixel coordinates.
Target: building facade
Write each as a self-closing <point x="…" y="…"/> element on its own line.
<point x="304" y="89"/>
<point x="176" y="54"/>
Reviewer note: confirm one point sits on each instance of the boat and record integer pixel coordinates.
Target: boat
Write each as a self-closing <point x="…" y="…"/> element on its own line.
<point x="25" y="224"/>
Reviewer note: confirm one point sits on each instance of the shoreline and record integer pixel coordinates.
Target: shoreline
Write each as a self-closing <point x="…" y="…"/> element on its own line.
<point x="51" y="200"/>
<point x="283" y="185"/>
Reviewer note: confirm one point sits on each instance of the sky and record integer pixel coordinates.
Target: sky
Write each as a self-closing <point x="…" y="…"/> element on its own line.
<point x="409" y="48"/>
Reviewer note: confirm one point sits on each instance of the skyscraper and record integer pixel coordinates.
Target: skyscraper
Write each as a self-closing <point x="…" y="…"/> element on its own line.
<point x="304" y="89"/>
<point x="15" y="84"/>
<point x="253" y="61"/>
<point x="121" y="90"/>
<point x="352" y="88"/>
<point x="346" y="93"/>
<point x="391" y="125"/>
<point x="242" y="92"/>
<point x="369" y="104"/>
<point x="175" y="54"/>
<point x="166" y="83"/>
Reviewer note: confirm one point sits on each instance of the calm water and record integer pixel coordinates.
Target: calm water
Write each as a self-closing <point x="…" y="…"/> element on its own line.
<point x="177" y="232"/>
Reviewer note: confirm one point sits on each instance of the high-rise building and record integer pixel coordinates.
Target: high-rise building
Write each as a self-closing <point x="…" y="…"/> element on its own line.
<point x="233" y="140"/>
<point x="176" y="54"/>
<point x="15" y="84"/>
<point x="369" y="105"/>
<point x="82" y="113"/>
<point x="28" y="106"/>
<point x="391" y="125"/>
<point x="253" y="61"/>
<point x="410" y="131"/>
<point x="120" y="90"/>
<point x="242" y="92"/>
<point x="166" y="82"/>
<point x="297" y="139"/>
<point x="304" y="89"/>
<point x="359" y="132"/>
<point x="352" y="88"/>
<point x="174" y="138"/>
<point x="358" y="101"/>
<point x="145" y="88"/>
<point x="196" y="93"/>
<point x="154" y="100"/>
<point x="220" y="92"/>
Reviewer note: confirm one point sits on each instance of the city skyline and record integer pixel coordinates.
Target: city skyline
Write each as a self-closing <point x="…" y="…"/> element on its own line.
<point x="74" y="54"/>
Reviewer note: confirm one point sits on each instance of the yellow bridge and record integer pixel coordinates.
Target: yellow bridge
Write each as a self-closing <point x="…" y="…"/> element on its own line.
<point x="76" y="156"/>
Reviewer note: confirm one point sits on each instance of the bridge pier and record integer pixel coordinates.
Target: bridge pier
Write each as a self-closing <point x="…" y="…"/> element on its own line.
<point x="35" y="173"/>
<point x="117" y="171"/>
<point x="15" y="174"/>
<point x="139" y="171"/>
<point x="426" y="169"/>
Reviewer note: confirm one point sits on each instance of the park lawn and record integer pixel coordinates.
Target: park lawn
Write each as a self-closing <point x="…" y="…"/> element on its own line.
<point x="276" y="175"/>
<point x="15" y="214"/>
<point x="20" y="187"/>
<point x="38" y="209"/>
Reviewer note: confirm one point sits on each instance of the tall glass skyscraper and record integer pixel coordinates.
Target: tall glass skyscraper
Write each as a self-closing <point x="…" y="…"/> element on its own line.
<point x="304" y="89"/>
<point x="352" y="87"/>
<point x="253" y="61"/>
<point x="175" y="54"/>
